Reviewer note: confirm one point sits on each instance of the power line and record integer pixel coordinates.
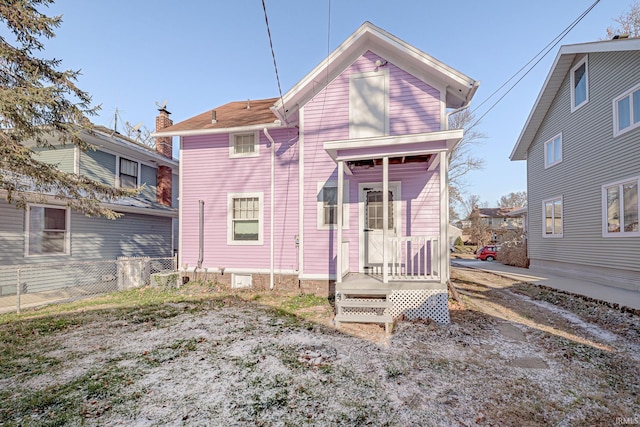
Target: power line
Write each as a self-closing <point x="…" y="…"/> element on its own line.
<point x="273" y="55"/>
<point x="547" y="48"/>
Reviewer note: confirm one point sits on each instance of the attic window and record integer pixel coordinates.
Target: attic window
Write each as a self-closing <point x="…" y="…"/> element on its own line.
<point x="128" y="173"/>
<point x="243" y="145"/>
<point x="579" y="84"/>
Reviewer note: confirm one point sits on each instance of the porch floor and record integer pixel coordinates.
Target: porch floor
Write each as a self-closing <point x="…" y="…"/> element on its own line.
<point x="374" y="281"/>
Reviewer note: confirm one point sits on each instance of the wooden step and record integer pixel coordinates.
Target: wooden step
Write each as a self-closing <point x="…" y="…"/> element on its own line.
<point x="363" y="318"/>
<point x="366" y="318"/>
<point x="373" y="303"/>
<point x="365" y="291"/>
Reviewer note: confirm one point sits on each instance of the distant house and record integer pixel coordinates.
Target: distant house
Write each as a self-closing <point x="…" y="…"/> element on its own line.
<point x="340" y="186"/>
<point x="582" y="147"/>
<point x="50" y="232"/>
<point x="496" y="221"/>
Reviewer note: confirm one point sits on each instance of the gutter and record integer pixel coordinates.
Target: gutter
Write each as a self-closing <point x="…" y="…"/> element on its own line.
<point x="213" y="131"/>
<point x="272" y="205"/>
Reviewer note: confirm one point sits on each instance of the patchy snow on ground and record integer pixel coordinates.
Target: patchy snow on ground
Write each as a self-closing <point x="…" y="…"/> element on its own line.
<point x="239" y="363"/>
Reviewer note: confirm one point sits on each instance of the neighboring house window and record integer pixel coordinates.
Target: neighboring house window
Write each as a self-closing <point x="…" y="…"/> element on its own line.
<point x="328" y="204"/>
<point x="243" y="144"/>
<point x="626" y="111"/>
<point x="128" y="173"/>
<point x="552" y="217"/>
<point x="553" y="151"/>
<point x="245" y="219"/>
<point x="620" y="202"/>
<point x="579" y="84"/>
<point x="47" y="230"/>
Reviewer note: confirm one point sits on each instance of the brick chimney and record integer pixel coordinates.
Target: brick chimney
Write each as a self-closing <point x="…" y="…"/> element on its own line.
<point x="164" y="146"/>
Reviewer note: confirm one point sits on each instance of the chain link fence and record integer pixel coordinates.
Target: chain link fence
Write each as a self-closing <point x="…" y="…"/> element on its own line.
<point x="32" y="285"/>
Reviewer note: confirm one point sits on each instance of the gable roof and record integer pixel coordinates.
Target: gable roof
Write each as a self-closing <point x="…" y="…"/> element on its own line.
<point x="460" y="88"/>
<point x="228" y="116"/>
<point x="561" y="66"/>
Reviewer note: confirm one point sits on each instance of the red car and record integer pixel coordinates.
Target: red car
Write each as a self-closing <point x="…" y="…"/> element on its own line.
<point x="487" y="253"/>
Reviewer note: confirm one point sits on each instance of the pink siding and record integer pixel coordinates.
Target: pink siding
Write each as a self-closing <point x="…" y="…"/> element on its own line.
<point x="209" y="174"/>
<point x="414" y="107"/>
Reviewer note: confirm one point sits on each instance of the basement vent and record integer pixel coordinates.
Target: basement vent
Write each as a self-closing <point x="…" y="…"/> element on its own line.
<point x="241" y="280"/>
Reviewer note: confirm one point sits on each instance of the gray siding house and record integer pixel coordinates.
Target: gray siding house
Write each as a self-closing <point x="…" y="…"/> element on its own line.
<point x="582" y="147"/>
<point x="49" y="232"/>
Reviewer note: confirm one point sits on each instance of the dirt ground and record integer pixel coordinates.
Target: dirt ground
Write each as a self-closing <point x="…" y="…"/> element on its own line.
<point x="513" y="355"/>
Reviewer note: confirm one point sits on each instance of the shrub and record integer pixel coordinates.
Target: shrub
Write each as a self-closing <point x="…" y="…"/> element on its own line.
<point x="514" y="253"/>
<point x="459" y="241"/>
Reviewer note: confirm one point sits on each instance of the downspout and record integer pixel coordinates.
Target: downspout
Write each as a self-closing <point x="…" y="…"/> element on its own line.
<point x="272" y="204"/>
<point x="200" y="234"/>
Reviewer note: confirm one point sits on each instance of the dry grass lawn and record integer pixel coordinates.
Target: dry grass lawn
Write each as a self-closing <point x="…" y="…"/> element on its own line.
<point x="513" y="355"/>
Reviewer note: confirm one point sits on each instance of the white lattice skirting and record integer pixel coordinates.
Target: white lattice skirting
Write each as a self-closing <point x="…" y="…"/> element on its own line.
<point x="420" y="304"/>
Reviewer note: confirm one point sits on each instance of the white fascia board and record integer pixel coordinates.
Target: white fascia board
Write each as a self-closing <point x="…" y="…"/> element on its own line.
<point x="195" y="132"/>
<point x="370" y="37"/>
<point x="550" y="88"/>
<point x="141" y="211"/>
<point x="450" y="136"/>
<point x="559" y="69"/>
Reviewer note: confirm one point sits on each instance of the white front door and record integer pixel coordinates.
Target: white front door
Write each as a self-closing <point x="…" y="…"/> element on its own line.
<point x="372" y="224"/>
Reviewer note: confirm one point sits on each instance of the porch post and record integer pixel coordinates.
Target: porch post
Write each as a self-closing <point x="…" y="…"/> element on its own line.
<point x="385" y="218"/>
<point x="444" y="218"/>
<point x="339" y="222"/>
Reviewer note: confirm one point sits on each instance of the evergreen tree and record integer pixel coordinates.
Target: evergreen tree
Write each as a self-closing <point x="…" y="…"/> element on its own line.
<point x="41" y="104"/>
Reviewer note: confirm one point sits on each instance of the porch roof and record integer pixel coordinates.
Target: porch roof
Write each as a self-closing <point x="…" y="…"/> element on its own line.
<point x="393" y="146"/>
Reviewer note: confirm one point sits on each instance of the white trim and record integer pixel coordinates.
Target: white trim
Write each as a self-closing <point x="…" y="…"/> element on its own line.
<point x="230" y="241"/>
<point x="301" y="192"/>
<point x="554" y="235"/>
<point x="546" y="153"/>
<point x="444" y="220"/>
<point x="240" y="270"/>
<point x="67" y="231"/>
<point x="605" y="214"/>
<point x="321" y="276"/>
<point x="379" y="72"/>
<point x="76" y="160"/>
<point x="632" y="125"/>
<point x="396" y="187"/>
<point x="320" y="207"/>
<point x="256" y="145"/>
<point x="585" y="61"/>
<point x="451" y="137"/>
<point x="213" y="131"/>
<point x="180" y="211"/>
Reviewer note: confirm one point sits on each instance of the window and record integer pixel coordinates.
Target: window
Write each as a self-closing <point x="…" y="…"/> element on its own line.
<point x="375" y="210"/>
<point x="579" y="84"/>
<point x="328" y="204"/>
<point x="47" y="230"/>
<point x="626" y="111"/>
<point x="243" y="145"/>
<point x="245" y="219"/>
<point x="552" y="217"/>
<point x="553" y="151"/>
<point x="620" y="202"/>
<point x="128" y="173"/>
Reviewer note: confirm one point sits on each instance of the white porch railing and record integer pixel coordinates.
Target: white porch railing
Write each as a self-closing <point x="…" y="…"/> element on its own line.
<point x="414" y="258"/>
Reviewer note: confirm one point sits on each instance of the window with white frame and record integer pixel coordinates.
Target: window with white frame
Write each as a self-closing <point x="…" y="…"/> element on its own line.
<point x="553" y="151"/>
<point x="579" y="84"/>
<point x="245" y="219"/>
<point x="620" y="203"/>
<point x="328" y="204"/>
<point x="128" y="173"/>
<point x="552" y="217"/>
<point x="47" y="230"/>
<point x="243" y="144"/>
<point x="626" y="111"/>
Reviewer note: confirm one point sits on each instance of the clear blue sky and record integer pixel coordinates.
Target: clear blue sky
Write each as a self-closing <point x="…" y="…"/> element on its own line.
<point x="202" y="54"/>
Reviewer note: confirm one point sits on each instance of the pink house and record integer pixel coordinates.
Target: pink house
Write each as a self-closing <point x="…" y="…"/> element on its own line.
<point x="362" y="137"/>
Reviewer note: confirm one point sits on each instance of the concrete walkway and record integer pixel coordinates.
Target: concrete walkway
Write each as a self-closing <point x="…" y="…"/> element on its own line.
<point x="598" y="291"/>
